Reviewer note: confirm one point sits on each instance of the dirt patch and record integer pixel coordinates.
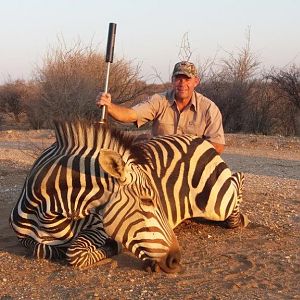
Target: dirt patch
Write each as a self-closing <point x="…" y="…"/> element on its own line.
<point x="259" y="262"/>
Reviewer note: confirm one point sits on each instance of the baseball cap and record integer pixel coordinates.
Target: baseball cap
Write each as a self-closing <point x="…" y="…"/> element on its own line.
<point x="185" y="68"/>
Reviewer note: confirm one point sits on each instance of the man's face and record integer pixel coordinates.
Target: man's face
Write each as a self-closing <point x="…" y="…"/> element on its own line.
<point x="184" y="86"/>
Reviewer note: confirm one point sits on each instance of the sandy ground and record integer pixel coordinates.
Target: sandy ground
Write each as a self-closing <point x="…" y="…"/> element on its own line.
<point x="259" y="262"/>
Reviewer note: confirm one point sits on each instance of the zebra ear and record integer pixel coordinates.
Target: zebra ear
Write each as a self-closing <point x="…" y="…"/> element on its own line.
<point x="112" y="163"/>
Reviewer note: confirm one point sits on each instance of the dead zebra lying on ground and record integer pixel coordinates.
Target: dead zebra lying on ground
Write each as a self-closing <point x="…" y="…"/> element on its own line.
<point x="95" y="187"/>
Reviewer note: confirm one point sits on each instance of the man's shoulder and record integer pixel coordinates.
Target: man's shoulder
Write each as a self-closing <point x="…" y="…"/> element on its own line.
<point x="204" y="101"/>
<point x="154" y="102"/>
<point x="163" y="97"/>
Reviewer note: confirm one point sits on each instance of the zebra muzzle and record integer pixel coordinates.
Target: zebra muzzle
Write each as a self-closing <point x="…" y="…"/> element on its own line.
<point x="172" y="262"/>
<point x="169" y="264"/>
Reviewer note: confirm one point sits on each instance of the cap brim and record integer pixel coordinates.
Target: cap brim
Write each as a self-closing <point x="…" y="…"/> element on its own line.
<point x="182" y="73"/>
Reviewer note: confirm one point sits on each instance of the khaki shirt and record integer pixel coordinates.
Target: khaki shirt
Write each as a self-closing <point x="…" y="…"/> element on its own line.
<point x="200" y="117"/>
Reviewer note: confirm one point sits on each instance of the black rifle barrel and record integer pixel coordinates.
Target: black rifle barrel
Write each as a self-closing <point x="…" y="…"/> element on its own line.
<point x="109" y="59"/>
<point x="111" y="42"/>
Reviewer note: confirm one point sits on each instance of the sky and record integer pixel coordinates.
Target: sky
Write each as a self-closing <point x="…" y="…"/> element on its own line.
<point x="149" y="32"/>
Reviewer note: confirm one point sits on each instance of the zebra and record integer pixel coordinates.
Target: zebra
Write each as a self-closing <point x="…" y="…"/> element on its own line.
<point x="88" y="193"/>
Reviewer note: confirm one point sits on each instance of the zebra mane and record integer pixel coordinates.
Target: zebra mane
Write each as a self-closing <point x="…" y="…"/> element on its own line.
<point x="84" y="134"/>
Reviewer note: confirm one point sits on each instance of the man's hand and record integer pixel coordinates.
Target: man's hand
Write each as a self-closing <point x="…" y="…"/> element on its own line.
<point x="103" y="99"/>
<point x="118" y="112"/>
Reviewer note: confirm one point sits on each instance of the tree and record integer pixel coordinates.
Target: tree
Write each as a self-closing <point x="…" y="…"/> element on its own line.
<point x="235" y="78"/>
<point x="185" y="51"/>
<point x="33" y="105"/>
<point x="241" y="66"/>
<point x="11" y="98"/>
<point x="70" y="80"/>
<point x="287" y="84"/>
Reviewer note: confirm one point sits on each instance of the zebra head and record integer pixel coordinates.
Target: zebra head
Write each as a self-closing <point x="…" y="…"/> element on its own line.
<point x="134" y="215"/>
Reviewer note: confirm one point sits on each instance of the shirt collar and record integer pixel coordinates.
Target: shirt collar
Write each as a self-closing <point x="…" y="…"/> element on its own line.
<point x="171" y="99"/>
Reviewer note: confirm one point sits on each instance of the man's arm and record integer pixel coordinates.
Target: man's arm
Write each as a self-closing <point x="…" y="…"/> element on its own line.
<point x="122" y="113"/>
<point x="214" y="131"/>
<point x="118" y="112"/>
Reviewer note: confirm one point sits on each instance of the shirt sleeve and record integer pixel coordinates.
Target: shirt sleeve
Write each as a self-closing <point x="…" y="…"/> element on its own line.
<point x="147" y="110"/>
<point x="214" y="131"/>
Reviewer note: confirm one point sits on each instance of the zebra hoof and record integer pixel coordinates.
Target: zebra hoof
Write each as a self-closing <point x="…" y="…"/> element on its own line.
<point x="237" y="221"/>
<point x="244" y="220"/>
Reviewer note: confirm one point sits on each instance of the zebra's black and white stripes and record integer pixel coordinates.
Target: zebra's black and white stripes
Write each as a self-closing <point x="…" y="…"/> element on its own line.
<point x="59" y="210"/>
<point x="193" y="180"/>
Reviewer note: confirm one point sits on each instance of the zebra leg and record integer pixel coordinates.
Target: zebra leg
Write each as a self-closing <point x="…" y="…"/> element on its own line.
<point x="237" y="219"/>
<point x="43" y="251"/>
<point x="91" y="247"/>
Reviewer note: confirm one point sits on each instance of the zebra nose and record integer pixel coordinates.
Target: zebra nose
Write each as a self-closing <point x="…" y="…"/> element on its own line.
<point x="171" y="262"/>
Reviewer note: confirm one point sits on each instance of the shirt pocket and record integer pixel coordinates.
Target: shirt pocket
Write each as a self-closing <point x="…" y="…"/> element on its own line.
<point x="195" y="128"/>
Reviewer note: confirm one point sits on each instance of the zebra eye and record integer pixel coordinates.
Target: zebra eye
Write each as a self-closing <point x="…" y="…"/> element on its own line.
<point x="147" y="201"/>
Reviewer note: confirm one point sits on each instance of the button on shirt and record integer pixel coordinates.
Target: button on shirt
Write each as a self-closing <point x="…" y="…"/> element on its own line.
<point x="200" y="117"/>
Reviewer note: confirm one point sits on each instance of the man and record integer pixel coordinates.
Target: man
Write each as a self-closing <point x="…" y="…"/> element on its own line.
<point x="178" y="111"/>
